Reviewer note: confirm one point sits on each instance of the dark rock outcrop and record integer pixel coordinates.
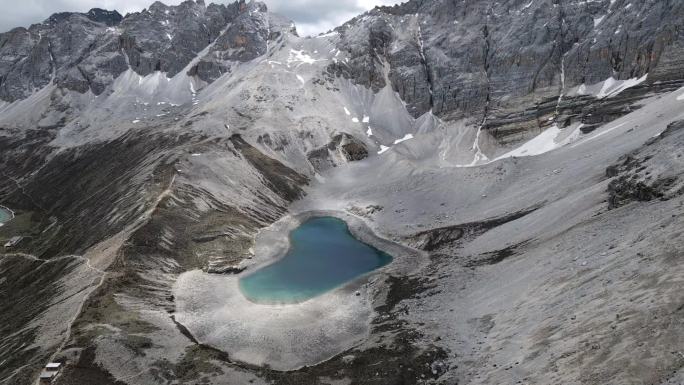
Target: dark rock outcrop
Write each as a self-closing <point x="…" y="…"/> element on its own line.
<point x="452" y="236"/>
<point x="285" y="181"/>
<point x="652" y="172"/>
<point x="341" y="149"/>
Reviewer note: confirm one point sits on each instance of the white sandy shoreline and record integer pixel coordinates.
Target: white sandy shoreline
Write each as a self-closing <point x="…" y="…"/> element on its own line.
<point x="290" y="336"/>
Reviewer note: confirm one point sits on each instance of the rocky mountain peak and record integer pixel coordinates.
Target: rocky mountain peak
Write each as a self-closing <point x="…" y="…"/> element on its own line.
<point x="87" y="51"/>
<point x="109" y="18"/>
<point x="461" y="59"/>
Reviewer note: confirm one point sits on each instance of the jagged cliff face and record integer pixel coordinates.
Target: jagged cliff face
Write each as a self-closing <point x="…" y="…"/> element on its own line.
<point x="145" y="155"/>
<point x="486" y="58"/>
<point x="513" y="67"/>
<point x="86" y="52"/>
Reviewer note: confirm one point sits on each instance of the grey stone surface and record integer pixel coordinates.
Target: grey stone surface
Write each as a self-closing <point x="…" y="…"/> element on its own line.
<point x="87" y="51"/>
<point x="549" y="216"/>
<point x="343" y="148"/>
<point x="485" y="57"/>
<point x="651" y="172"/>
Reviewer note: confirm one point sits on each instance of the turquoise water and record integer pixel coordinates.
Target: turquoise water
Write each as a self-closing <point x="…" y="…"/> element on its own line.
<point x="5" y="215"/>
<point x="323" y="255"/>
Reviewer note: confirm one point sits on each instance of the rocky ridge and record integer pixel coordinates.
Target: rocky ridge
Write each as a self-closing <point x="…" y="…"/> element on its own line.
<point x="511" y="66"/>
<point x="85" y="52"/>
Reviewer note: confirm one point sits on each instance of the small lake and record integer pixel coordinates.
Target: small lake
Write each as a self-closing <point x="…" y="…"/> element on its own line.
<point x="5" y="215"/>
<point x="323" y="255"/>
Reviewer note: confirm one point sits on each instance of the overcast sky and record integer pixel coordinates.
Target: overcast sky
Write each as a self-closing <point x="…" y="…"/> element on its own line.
<point x="311" y="16"/>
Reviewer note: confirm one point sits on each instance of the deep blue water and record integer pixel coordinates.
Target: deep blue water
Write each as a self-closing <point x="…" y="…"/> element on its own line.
<point x="4" y="215"/>
<point x="323" y="255"/>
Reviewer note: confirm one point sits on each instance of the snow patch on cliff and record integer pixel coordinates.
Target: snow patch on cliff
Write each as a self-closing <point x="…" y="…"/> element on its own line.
<point x="544" y="142"/>
<point x="612" y="87"/>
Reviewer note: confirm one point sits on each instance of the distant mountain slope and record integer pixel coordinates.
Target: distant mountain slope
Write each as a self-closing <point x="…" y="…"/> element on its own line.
<point x="86" y="52"/>
<point x="459" y="58"/>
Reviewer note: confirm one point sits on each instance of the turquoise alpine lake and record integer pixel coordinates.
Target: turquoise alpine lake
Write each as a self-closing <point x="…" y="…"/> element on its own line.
<point x="323" y="255"/>
<point x="5" y="215"/>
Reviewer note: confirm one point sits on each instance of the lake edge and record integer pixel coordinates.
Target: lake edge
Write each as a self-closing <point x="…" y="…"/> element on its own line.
<point x="384" y="257"/>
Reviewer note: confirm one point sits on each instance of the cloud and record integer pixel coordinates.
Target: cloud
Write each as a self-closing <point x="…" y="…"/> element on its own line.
<point x="315" y="16"/>
<point x="311" y="16"/>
